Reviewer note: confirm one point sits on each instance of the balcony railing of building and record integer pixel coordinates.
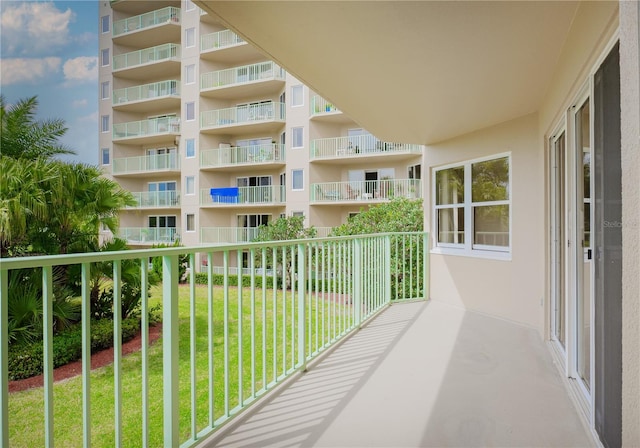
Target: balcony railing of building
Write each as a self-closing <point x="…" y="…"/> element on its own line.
<point x="241" y="155"/>
<point x="360" y="145"/>
<point x="149" y="235"/>
<point x="366" y="190"/>
<point x="147" y="20"/>
<point x="146" y="56"/>
<point x="232" y="196"/>
<point x="227" y="235"/>
<point x="262" y="71"/>
<point x="303" y="297"/>
<point x="146" y="128"/>
<point x="321" y="106"/>
<point x="141" y="164"/>
<point x="220" y="39"/>
<point x="252" y="113"/>
<point x="156" y="199"/>
<point x="155" y="90"/>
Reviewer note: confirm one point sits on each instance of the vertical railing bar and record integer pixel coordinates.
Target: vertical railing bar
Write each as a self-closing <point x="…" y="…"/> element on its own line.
<point x="317" y="285"/>
<point x="274" y="255"/>
<point x="240" y="360"/>
<point x="4" y="362"/>
<point x="284" y="310"/>
<point x="324" y="289"/>
<point x="252" y="255"/>
<point x="387" y="274"/>
<point x="404" y="265"/>
<point x="225" y="270"/>
<point x="294" y="287"/>
<point x="86" y="354"/>
<point x="334" y="288"/>
<point x="144" y="331"/>
<point x="357" y="279"/>
<point x="339" y="286"/>
<point x="210" y="338"/>
<point x="192" y="344"/>
<point x="170" y="360"/>
<point x="117" y="348"/>
<point x="264" y="317"/>
<point x="302" y="357"/>
<point x="425" y="266"/>
<point x="309" y="298"/>
<point x="47" y="335"/>
<point x="396" y="275"/>
<point x="410" y="238"/>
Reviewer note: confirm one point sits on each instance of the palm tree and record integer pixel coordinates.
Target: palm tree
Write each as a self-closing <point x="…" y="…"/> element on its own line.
<point x="21" y="136"/>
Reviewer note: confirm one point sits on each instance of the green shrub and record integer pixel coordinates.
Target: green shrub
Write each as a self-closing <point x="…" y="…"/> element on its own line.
<point x="218" y="280"/>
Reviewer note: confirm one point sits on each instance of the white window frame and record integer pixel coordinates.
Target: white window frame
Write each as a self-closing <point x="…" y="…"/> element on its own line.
<point x="105" y="88"/>
<point x="293" y="137"/>
<point x="190" y="142"/>
<point x="295" y="89"/>
<point x="190" y="107"/>
<point x="293" y="179"/>
<point x="190" y="74"/>
<point x="105" y="124"/>
<point x="189" y="181"/>
<point x="193" y="222"/>
<point x="189" y="5"/>
<point x="105" y="20"/>
<point x="105" y="58"/>
<point x="190" y="37"/>
<point x="468" y="248"/>
<point x="104" y="151"/>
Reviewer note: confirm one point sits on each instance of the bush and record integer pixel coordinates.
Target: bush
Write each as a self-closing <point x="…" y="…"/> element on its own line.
<point x="218" y="280"/>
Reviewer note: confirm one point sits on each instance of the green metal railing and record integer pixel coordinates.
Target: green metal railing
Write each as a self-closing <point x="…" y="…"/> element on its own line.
<point x="237" y="155"/>
<point x="141" y="164"/>
<point x="146" y="20"/>
<point x="147" y="92"/>
<point x="363" y="145"/>
<point x="263" y="194"/>
<point x="302" y="297"/>
<point x="262" y="71"/>
<point x="170" y="198"/>
<point x="320" y="106"/>
<point x="146" y="128"/>
<point x="366" y="190"/>
<point x="158" y="53"/>
<point x="168" y="235"/>
<point x="220" y="39"/>
<point x="230" y="235"/>
<point x="252" y="113"/>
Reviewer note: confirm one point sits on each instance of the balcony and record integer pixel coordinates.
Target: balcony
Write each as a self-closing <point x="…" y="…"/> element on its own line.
<point x="252" y="80"/>
<point x="324" y="110"/>
<point x="226" y="46"/>
<point x="156" y="199"/>
<point x="157" y="164"/>
<point x="243" y="197"/>
<point x="228" y="235"/>
<point x="158" y="96"/>
<point x="353" y="149"/>
<point x="131" y="8"/>
<point x="148" y="63"/>
<point x="241" y="158"/>
<point x="264" y="117"/>
<point x="368" y="191"/>
<point x="152" y="130"/>
<point x="148" y="29"/>
<point x="149" y="235"/>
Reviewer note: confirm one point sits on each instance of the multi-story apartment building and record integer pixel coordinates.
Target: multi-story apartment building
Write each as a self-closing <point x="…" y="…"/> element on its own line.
<point x="214" y="139"/>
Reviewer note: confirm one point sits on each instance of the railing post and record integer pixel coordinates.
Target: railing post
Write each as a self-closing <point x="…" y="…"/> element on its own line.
<point x="302" y="356"/>
<point x="47" y="322"/>
<point x="357" y="280"/>
<point x="4" y="362"/>
<point x="387" y="269"/>
<point x="170" y="349"/>
<point x="426" y="281"/>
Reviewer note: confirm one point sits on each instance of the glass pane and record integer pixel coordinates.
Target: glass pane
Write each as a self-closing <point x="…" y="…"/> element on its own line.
<point x="153" y="221"/>
<point x="490" y="180"/>
<point x="491" y="225"/>
<point x="450" y="186"/>
<point x="451" y="225"/>
<point x="171" y="221"/>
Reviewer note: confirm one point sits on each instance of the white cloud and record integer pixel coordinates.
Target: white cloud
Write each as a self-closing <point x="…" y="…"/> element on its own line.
<point x="91" y="118"/>
<point x="82" y="68"/>
<point x="79" y="103"/>
<point x="34" y="28"/>
<point x="23" y="70"/>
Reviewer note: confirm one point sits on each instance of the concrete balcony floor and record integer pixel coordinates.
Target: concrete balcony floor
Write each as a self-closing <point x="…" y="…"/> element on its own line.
<point x="421" y="374"/>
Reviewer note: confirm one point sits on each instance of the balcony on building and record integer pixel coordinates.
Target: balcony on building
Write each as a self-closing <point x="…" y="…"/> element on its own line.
<point x="158" y="96"/>
<point x="364" y="192"/>
<point x="149" y="235"/>
<point x="252" y="80"/>
<point x="353" y="149"/>
<point x="321" y="109"/>
<point x="149" y="131"/>
<point x="147" y="166"/>
<point x="243" y="197"/>
<point x="243" y="158"/>
<point x="148" y="29"/>
<point x="137" y="7"/>
<point x="229" y="235"/>
<point x="148" y="63"/>
<point x="226" y="46"/>
<point x="268" y="116"/>
<point x="156" y="199"/>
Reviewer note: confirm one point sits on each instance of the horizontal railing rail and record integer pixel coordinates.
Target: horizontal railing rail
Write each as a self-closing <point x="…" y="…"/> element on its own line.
<point x="147" y="92"/>
<point x="366" y="190"/>
<point x="147" y="55"/>
<point x="146" y="20"/>
<point x="170" y="198"/>
<point x="262" y="71"/>
<point x="243" y="115"/>
<point x="237" y="155"/>
<point x="222" y="346"/>
<point x="220" y="39"/>
<point x="150" y="234"/>
<point x="139" y="164"/>
<point x="146" y="128"/>
<point x="321" y="106"/>
<point x="263" y="194"/>
<point x="363" y="145"/>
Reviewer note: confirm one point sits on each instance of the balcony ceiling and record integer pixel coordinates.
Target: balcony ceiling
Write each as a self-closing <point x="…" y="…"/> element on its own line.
<point x="415" y="72"/>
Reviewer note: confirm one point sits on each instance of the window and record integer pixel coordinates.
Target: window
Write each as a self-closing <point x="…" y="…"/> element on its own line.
<point x="190" y="6"/>
<point x="472" y="206"/>
<point x="415" y="172"/>
<point x="189" y="185"/>
<point x="297" y="135"/>
<point x="105" y="156"/>
<point x="190" y="37"/>
<point x="190" y="74"/>
<point x="162" y="228"/>
<point x="190" y="111"/>
<point x="191" y="222"/>
<point x="298" y="214"/>
<point x="190" y="148"/>
<point x="105" y="123"/>
<point x="104" y="90"/>
<point x="104" y="24"/>
<point x="104" y="57"/>
<point x="297" y="179"/>
<point x="297" y="98"/>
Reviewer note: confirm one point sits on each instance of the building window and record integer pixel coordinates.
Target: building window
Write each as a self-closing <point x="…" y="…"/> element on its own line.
<point x="297" y="180"/>
<point x="297" y="98"/>
<point x="190" y="6"/>
<point x="190" y="37"/>
<point x="297" y="135"/>
<point x="104" y="90"/>
<point x="298" y="214"/>
<point x="104" y="57"/>
<point x="472" y="206"/>
<point x="415" y="172"/>
<point x="191" y="222"/>
<point x="105" y="156"/>
<point x="104" y="24"/>
<point x="189" y="185"/>
<point x="190" y="111"/>
<point x="105" y="123"/>
<point x="190" y="74"/>
<point x="190" y="150"/>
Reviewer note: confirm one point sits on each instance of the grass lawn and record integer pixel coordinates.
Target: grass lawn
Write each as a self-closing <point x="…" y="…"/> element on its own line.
<point x="26" y="417"/>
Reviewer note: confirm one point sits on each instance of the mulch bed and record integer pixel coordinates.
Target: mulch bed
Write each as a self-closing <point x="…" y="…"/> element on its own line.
<point x="98" y="359"/>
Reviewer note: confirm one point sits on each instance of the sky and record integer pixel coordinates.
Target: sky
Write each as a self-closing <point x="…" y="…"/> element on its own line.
<point x="50" y="50"/>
